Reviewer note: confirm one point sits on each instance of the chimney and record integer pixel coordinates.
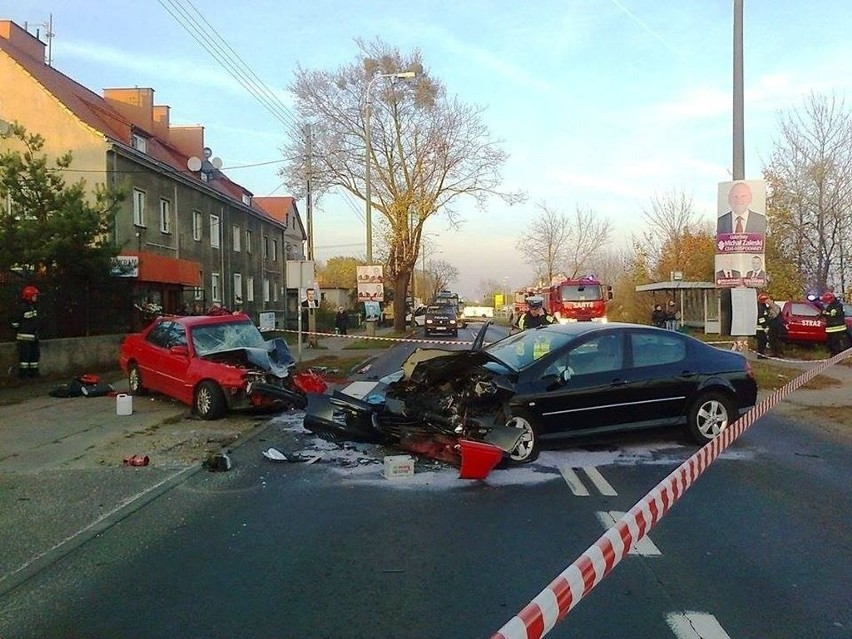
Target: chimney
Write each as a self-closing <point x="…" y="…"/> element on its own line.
<point x="24" y="42"/>
<point x="189" y="140"/>
<point x="161" y="122"/>
<point x="137" y="105"/>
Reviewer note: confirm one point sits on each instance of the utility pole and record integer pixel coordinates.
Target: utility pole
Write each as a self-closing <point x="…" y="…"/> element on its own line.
<point x="308" y="199"/>
<point x="739" y="119"/>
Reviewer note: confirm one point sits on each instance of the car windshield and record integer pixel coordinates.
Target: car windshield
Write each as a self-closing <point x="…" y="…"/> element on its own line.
<point x="226" y="336"/>
<point x="522" y="349"/>
<point x="441" y="309"/>
<point x="580" y="293"/>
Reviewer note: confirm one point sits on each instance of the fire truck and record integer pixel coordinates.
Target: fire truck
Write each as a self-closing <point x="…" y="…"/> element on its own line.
<point x="581" y="299"/>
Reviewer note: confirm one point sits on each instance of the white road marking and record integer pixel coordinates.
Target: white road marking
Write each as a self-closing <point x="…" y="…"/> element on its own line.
<point x="573" y="482"/>
<point x="600" y="483"/>
<point x="695" y="625"/>
<point x="644" y="547"/>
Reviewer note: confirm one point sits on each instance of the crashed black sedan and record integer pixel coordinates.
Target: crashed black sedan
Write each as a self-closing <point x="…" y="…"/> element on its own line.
<point x="554" y="381"/>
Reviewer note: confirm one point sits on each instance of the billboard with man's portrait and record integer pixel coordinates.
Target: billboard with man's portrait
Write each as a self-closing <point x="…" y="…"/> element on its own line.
<point x="741" y="234"/>
<point x="370" y="283"/>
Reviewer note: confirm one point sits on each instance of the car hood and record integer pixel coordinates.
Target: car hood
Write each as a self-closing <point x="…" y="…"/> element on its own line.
<point x="434" y="366"/>
<point x="274" y="357"/>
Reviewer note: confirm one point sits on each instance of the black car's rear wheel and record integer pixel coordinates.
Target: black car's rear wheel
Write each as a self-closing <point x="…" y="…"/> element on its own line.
<point x="709" y="415"/>
<point x="209" y="402"/>
<point x="526" y="450"/>
<point x="134" y="381"/>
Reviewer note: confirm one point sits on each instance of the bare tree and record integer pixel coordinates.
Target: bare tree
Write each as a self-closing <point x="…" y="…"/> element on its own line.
<point x="428" y="150"/>
<point x="810" y="191"/>
<point x="555" y="243"/>
<point x="441" y="274"/>
<point x="670" y="217"/>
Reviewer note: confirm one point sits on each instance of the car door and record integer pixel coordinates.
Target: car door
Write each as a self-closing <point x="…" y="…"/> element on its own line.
<point x="660" y="377"/>
<point x="151" y="355"/>
<point x="579" y="389"/>
<point x="175" y="363"/>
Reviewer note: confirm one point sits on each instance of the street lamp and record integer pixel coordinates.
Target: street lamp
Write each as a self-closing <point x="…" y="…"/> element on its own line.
<point x="400" y="75"/>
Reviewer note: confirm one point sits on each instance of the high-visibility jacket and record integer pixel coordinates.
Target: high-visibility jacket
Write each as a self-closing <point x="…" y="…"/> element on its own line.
<point x="528" y="320"/>
<point x="834" y="317"/>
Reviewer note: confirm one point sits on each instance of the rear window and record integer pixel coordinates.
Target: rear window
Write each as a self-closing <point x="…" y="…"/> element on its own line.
<point x="805" y="310"/>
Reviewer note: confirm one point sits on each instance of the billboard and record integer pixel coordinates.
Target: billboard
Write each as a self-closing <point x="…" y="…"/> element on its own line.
<point x="741" y="234"/>
<point x="370" y="283"/>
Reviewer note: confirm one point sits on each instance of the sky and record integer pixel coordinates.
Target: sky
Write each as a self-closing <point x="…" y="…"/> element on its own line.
<point x="601" y="104"/>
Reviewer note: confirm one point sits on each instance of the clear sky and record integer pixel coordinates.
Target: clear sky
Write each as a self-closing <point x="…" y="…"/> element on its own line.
<point x="600" y="103"/>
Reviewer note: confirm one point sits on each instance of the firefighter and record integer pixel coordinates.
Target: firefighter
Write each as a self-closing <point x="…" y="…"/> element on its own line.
<point x="26" y="324"/>
<point x="762" y="333"/>
<point x="537" y="315"/>
<point x="835" y="323"/>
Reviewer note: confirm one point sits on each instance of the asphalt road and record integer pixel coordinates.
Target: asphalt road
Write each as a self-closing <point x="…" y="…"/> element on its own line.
<point x="758" y="548"/>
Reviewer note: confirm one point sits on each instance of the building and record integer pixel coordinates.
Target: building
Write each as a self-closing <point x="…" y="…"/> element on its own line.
<point x="189" y="236"/>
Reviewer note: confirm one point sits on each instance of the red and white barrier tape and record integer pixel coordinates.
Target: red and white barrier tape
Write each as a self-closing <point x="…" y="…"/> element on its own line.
<point x="387" y="339"/>
<point x="553" y="603"/>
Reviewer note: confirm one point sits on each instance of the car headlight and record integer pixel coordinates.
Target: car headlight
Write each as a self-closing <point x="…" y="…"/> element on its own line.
<point x="452" y="321"/>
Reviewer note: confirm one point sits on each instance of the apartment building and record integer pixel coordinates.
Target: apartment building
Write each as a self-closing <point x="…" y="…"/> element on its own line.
<point x="189" y="235"/>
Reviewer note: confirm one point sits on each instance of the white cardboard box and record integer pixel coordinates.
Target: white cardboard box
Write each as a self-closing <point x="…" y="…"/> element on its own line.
<point x="397" y="466"/>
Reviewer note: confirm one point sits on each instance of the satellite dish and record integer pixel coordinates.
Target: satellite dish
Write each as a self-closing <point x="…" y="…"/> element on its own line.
<point x="216" y="162"/>
<point x="193" y="164"/>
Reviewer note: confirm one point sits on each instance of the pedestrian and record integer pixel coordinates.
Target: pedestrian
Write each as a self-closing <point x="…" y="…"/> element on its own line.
<point x="658" y="316"/>
<point x="26" y="324"/>
<point x="835" y="322"/>
<point x="672" y="316"/>
<point x="537" y="315"/>
<point x="762" y="331"/>
<point x="341" y="321"/>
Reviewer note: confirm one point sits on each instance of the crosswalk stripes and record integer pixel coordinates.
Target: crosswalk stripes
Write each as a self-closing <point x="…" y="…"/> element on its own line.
<point x="644" y="547"/>
<point x="695" y="625"/>
<point x="579" y="488"/>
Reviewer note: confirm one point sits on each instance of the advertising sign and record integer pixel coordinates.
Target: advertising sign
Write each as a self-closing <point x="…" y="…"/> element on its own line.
<point x="741" y="234"/>
<point x="370" y="283"/>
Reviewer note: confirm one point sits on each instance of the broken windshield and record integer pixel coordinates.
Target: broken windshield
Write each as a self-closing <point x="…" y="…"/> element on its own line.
<point x="226" y="336"/>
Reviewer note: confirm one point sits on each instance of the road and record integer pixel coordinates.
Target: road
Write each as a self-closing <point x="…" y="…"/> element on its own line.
<point x="758" y="548"/>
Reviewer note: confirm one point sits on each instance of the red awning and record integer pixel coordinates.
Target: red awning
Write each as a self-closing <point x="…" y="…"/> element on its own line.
<point x="167" y="270"/>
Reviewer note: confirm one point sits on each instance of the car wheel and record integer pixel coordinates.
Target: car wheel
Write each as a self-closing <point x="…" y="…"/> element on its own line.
<point x="209" y="401"/>
<point x="526" y="449"/>
<point x="709" y="415"/>
<point x="134" y="381"/>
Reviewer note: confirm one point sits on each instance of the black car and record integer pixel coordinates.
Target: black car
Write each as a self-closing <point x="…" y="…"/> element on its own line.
<point x="441" y="318"/>
<point x="554" y="381"/>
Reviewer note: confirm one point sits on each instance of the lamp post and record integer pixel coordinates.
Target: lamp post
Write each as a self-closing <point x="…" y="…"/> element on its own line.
<point x="369" y="154"/>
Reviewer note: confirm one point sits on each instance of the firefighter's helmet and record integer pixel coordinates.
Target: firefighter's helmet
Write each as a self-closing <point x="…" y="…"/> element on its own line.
<point x="827" y="297"/>
<point x="763" y="297"/>
<point x="29" y="293"/>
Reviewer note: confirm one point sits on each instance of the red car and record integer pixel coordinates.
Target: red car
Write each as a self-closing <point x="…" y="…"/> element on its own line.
<point x="213" y="363"/>
<point x="805" y="323"/>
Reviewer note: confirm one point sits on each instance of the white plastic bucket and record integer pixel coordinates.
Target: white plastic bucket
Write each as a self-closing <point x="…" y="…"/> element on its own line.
<point x="123" y="404"/>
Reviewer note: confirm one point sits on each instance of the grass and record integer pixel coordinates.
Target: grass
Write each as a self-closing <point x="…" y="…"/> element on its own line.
<point x="772" y="375"/>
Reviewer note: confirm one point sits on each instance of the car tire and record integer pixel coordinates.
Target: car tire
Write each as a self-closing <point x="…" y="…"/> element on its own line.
<point x="209" y="401"/>
<point x="134" y="381"/>
<point x="709" y="415"/>
<point x="527" y="449"/>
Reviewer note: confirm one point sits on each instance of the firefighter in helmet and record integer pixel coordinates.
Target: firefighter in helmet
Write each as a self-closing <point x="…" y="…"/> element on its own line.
<point x="835" y="323"/>
<point x="26" y="324"/>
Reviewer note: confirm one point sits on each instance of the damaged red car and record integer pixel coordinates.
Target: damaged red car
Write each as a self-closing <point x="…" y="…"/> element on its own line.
<point x="557" y="381"/>
<point x="214" y="364"/>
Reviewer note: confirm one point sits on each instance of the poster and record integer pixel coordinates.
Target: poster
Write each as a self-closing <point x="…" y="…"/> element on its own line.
<point x="370" y="283"/>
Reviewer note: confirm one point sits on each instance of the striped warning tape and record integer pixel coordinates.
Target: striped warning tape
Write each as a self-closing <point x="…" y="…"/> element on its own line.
<point x="387" y="339"/>
<point x="553" y="603"/>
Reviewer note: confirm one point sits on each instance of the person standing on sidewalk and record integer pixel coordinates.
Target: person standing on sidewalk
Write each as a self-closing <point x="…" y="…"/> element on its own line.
<point x="341" y="321"/>
<point x="26" y="324"/>
<point x="835" y="322"/>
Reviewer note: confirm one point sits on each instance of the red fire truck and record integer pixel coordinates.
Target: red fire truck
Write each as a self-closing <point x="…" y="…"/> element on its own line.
<point x="581" y="299"/>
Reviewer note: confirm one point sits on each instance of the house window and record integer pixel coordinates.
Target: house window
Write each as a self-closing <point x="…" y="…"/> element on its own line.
<point x="139" y="143"/>
<point x="237" y="236"/>
<point x="274" y="250"/>
<point x="138" y="207"/>
<point x="265" y="247"/>
<point x="246" y="199"/>
<point x="248" y="241"/>
<point x="215" y="241"/>
<point x="249" y="289"/>
<point x="265" y="290"/>
<point x="197" y="225"/>
<point x="199" y="292"/>
<point x="165" y="216"/>
<point x="216" y="287"/>
<point x="275" y="291"/>
<point x="238" y="288"/>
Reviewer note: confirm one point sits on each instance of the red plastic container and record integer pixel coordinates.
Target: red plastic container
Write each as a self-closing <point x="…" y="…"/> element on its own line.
<point x="478" y="459"/>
